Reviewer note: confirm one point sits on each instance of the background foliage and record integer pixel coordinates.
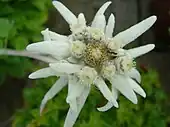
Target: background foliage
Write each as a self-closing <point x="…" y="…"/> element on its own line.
<point x="20" y="23"/>
<point x="149" y="112"/>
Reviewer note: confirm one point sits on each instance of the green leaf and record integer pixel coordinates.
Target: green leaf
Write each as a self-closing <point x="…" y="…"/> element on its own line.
<point x="5" y="27"/>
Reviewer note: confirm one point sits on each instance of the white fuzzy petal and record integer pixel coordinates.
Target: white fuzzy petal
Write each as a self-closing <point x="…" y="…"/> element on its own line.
<point x="73" y="60"/>
<point x="99" y="18"/>
<point x="137" y="88"/>
<point x="73" y="104"/>
<point x="99" y="23"/>
<point x="72" y="115"/>
<point x="56" y="88"/>
<point x="121" y="83"/>
<point x="136" y="52"/>
<point x="58" y="37"/>
<point x="81" y="19"/>
<point x="43" y="73"/>
<point x="109" y="105"/>
<point x="75" y="89"/>
<point x="80" y="25"/>
<point x="102" y="9"/>
<point x="110" y="26"/>
<point x="115" y="92"/>
<point x="65" y="12"/>
<point x="58" y="50"/>
<point x="29" y="54"/>
<point x="52" y="36"/>
<point x="66" y="67"/>
<point x="105" y="91"/>
<point x="106" y="107"/>
<point x="135" y="31"/>
<point x="46" y="35"/>
<point x="134" y="74"/>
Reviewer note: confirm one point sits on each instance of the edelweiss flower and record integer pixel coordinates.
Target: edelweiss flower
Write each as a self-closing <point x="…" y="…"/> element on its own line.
<point x="90" y="56"/>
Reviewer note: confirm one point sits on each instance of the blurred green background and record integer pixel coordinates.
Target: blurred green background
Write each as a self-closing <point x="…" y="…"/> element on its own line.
<point x="21" y="22"/>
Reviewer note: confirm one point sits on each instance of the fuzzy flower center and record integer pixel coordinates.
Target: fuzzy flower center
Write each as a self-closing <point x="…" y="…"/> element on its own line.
<point x="124" y="64"/>
<point x="108" y="70"/>
<point x="87" y="75"/>
<point x="95" y="54"/>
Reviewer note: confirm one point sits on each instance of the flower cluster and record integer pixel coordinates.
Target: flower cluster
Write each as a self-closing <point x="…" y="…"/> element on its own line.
<point x="91" y="56"/>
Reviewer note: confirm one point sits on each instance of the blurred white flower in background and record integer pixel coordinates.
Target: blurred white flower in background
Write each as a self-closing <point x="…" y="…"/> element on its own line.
<point x="89" y="56"/>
